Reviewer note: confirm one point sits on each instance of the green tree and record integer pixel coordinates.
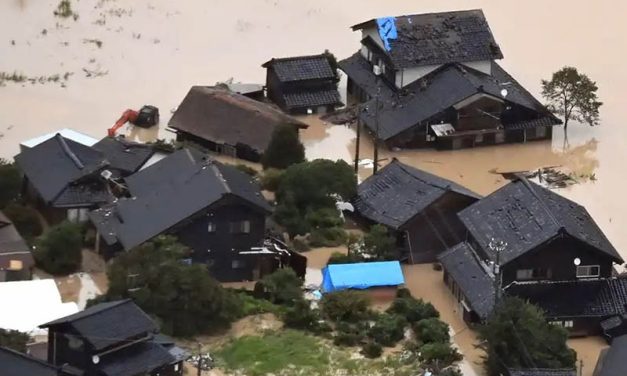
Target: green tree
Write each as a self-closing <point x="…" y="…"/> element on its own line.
<point x="439" y="355"/>
<point x="13" y="339"/>
<point x="431" y="330"/>
<point x="345" y="305"/>
<point x="284" y="149"/>
<point x="25" y="219"/>
<point x="413" y="309"/>
<point x="59" y="250"/>
<point x="10" y="182"/>
<point x="572" y="95"/>
<point x="184" y="298"/>
<point x="379" y="244"/>
<point x="283" y="286"/>
<point x="388" y="329"/>
<point x="518" y="336"/>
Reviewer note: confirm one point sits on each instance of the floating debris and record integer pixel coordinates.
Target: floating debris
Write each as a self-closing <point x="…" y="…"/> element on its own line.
<point x="343" y="116"/>
<point x="550" y="177"/>
<point x="97" y="42"/>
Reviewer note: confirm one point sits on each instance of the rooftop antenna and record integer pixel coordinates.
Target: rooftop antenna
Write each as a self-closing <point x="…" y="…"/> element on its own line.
<point x="377" y="72"/>
<point x="497" y="246"/>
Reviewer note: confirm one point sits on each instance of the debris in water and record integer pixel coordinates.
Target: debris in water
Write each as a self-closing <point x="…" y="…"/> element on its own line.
<point x="89" y="73"/>
<point x="550" y="177"/>
<point x="343" y="116"/>
<point x="97" y="42"/>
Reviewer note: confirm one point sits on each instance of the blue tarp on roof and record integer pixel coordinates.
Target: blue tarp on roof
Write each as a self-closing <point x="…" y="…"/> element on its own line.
<point x="362" y="275"/>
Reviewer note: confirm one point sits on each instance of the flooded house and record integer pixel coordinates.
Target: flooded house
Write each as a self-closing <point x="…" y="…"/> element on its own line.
<point x="303" y="84"/>
<point x="112" y="339"/>
<point x="419" y="209"/>
<point x="17" y="364"/>
<point x="63" y="178"/>
<point x="124" y="157"/>
<point x="552" y="254"/>
<point x="16" y="259"/>
<point x="228" y="123"/>
<point x="214" y="209"/>
<point x="431" y="80"/>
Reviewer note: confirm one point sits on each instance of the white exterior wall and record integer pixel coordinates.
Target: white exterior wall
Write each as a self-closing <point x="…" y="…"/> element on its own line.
<point x="408" y="75"/>
<point x="484" y="66"/>
<point x="373" y="32"/>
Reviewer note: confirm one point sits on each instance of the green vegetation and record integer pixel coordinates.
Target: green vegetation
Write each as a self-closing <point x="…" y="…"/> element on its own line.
<point x="25" y="219"/>
<point x="64" y="10"/>
<point x="58" y="251"/>
<point x="184" y="298"/>
<point x="518" y="336"/>
<point x="271" y="179"/>
<point x="413" y="310"/>
<point x="283" y="286"/>
<point x="284" y="149"/>
<point x="10" y="182"/>
<point x="573" y="96"/>
<point x="438" y="355"/>
<point x="308" y="191"/>
<point x="14" y="340"/>
<point x="378" y="244"/>
<point x="371" y="350"/>
<point x="345" y="305"/>
<point x="246" y="169"/>
<point x="388" y="329"/>
<point x="431" y="330"/>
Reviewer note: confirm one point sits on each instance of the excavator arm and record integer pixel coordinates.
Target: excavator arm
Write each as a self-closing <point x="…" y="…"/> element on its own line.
<point x="128" y="116"/>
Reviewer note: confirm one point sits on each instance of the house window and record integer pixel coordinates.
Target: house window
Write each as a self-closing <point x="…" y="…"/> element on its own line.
<point x="240" y="227"/>
<point x="524" y="274"/>
<point x="211" y="227"/>
<point x="536" y="273"/>
<point x="176" y="367"/>
<point x="237" y="264"/>
<point x="568" y="324"/>
<point x="587" y="271"/>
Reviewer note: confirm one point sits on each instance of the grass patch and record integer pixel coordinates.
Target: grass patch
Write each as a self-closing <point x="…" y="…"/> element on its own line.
<point x="275" y="352"/>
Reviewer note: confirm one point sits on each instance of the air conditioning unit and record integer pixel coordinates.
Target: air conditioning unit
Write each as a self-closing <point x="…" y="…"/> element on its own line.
<point x="377" y="70"/>
<point x="106" y="174"/>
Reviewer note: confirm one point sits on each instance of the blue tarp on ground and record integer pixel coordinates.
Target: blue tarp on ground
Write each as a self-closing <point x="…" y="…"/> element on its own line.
<point x="362" y="275"/>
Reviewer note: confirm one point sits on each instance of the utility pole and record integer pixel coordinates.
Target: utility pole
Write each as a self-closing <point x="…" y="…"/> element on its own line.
<point x="497" y="246"/>
<point x="377" y="73"/>
<point x="199" y="364"/>
<point x="358" y="137"/>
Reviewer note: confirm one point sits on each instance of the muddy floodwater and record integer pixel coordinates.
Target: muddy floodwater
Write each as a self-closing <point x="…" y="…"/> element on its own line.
<point x="120" y="54"/>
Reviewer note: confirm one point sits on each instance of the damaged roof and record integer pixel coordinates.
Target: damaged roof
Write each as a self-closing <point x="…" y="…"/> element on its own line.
<point x="435" y="38"/>
<point x="221" y="116"/>
<point x="525" y="215"/>
<point x="107" y="324"/>
<point x="170" y="191"/>
<point x="436" y="92"/>
<point x="57" y="169"/>
<point x="579" y="298"/>
<point x="462" y="264"/>
<point x="398" y="192"/>
<point x="124" y="156"/>
<point x="301" y="68"/>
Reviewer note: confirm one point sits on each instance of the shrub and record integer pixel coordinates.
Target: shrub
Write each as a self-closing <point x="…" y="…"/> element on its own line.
<point x="25" y="219"/>
<point x="246" y="169"/>
<point x="324" y="217"/>
<point x="327" y="237"/>
<point x="14" y="340"/>
<point x="300" y="245"/>
<point x="283" y="286"/>
<point x="271" y="179"/>
<point x="345" y="305"/>
<point x="341" y="258"/>
<point x="451" y="372"/>
<point x="10" y="182"/>
<point x="349" y="334"/>
<point x="404" y="292"/>
<point x="412" y="309"/>
<point x="58" y="251"/>
<point x="431" y="330"/>
<point x="284" y="149"/>
<point x="259" y="291"/>
<point x="379" y="244"/>
<point x="372" y="350"/>
<point x="253" y="306"/>
<point x="388" y="329"/>
<point x="440" y="354"/>
<point x="301" y="316"/>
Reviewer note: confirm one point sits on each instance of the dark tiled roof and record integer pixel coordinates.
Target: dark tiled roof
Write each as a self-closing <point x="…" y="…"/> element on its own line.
<point x="300" y="68"/>
<point x="124" y="156"/>
<point x="191" y="177"/>
<point x="435" y="93"/>
<point x="546" y="121"/>
<point x="525" y="215"/>
<point x="612" y="361"/>
<point x="477" y="286"/>
<point x="583" y="298"/>
<point x="13" y="363"/>
<point x="437" y="38"/>
<point x="54" y="165"/>
<point x="139" y="359"/>
<point x="542" y="372"/>
<point x="107" y="324"/>
<point x="312" y="98"/>
<point x="221" y="116"/>
<point x="12" y="246"/>
<point x="398" y="192"/>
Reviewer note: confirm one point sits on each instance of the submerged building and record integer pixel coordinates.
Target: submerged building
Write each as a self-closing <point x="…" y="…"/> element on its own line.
<point x="437" y="84"/>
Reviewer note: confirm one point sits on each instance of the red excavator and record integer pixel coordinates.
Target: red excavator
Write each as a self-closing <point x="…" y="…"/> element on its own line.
<point x="146" y="117"/>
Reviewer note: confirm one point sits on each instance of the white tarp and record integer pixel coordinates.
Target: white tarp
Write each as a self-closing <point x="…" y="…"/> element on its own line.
<point x="27" y="304"/>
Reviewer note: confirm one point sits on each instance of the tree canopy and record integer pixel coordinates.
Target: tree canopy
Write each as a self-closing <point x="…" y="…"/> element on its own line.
<point x="284" y="150"/>
<point x="573" y="96"/>
<point x="378" y="244"/>
<point x="518" y="336"/>
<point x="10" y="182"/>
<point x="184" y="298"/>
<point x="59" y="250"/>
<point x="14" y="340"/>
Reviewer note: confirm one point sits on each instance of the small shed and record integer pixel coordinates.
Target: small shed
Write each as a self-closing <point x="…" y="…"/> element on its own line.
<point x="378" y="277"/>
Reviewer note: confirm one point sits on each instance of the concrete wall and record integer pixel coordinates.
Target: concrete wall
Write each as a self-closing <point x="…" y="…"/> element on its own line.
<point x="406" y="76"/>
<point x="484" y="66"/>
